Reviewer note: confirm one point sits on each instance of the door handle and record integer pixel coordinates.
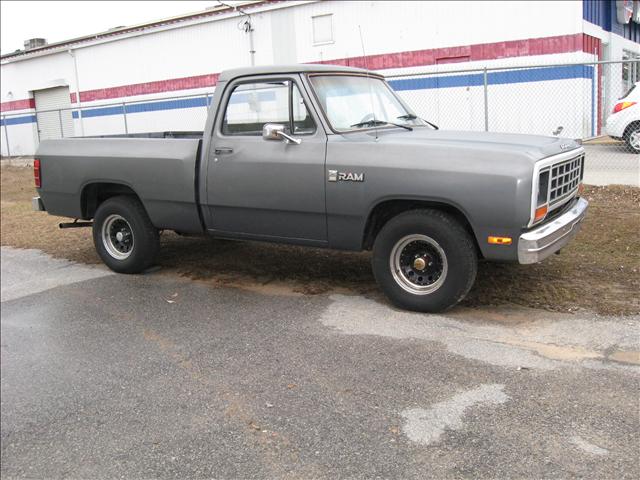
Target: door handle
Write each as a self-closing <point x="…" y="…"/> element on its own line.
<point x="223" y="150"/>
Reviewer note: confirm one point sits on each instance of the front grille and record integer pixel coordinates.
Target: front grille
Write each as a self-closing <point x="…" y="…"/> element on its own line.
<point x="565" y="178"/>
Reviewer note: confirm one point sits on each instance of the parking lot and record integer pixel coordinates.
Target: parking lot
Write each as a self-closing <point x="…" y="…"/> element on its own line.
<point x="610" y="163"/>
<point x="159" y="376"/>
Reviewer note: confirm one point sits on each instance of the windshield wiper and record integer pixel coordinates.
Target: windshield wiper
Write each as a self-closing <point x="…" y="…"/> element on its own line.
<point x="411" y="116"/>
<point x="373" y="123"/>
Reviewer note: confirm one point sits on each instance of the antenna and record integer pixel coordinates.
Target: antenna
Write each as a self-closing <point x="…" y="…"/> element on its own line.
<point x="373" y="110"/>
<point x="246" y="27"/>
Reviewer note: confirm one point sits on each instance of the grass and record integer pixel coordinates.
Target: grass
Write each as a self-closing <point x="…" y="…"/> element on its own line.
<point x="599" y="271"/>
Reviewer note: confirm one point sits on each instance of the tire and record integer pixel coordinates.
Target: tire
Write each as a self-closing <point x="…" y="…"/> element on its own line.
<point x="447" y="268"/>
<point x="632" y="137"/>
<point x="124" y="236"/>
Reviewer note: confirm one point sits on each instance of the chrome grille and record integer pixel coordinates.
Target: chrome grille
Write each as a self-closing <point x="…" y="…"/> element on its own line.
<point x="564" y="179"/>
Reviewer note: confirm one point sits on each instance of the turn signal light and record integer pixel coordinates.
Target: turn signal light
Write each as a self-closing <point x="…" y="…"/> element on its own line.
<point x="541" y="212"/>
<point x="36" y="173"/>
<point x="499" y="240"/>
<point x="622" y="105"/>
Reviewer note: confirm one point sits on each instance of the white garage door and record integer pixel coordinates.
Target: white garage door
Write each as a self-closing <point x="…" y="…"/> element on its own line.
<point x="59" y="122"/>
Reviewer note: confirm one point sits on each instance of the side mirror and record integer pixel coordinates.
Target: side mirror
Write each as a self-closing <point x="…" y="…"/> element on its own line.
<point x="272" y="131"/>
<point x="275" y="131"/>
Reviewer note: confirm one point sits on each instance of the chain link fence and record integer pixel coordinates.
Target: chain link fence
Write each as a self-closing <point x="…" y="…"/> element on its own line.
<point x="568" y="100"/>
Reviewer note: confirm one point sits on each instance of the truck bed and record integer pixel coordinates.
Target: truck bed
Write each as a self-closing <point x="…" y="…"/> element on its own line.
<point x="160" y="168"/>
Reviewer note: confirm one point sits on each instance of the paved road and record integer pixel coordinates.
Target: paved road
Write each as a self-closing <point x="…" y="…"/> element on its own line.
<point x="108" y="376"/>
<point x="608" y="164"/>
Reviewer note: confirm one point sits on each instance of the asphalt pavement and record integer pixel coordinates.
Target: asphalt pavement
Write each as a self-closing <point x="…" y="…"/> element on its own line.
<point x="156" y="376"/>
<point x="611" y="164"/>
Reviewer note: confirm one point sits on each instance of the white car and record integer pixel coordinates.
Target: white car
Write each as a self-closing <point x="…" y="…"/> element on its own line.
<point x="624" y="122"/>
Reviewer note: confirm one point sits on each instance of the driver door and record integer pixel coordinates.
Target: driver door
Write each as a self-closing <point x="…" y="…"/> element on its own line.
<point x="269" y="189"/>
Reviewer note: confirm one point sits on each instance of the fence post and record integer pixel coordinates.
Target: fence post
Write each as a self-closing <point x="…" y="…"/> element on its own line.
<point x="124" y="114"/>
<point x="594" y="85"/>
<point x="6" y="135"/>
<point x="37" y="126"/>
<point x="60" y="123"/>
<point x="486" y="100"/>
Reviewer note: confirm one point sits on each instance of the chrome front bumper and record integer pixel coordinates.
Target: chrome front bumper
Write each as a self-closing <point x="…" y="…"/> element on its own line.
<point x="37" y="205"/>
<point x="537" y="244"/>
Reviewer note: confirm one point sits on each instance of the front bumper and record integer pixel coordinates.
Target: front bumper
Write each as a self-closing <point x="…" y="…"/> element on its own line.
<point x="37" y="205"/>
<point x="537" y="244"/>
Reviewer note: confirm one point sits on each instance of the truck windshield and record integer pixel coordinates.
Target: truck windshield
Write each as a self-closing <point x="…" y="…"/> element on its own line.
<point x="357" y="102"/>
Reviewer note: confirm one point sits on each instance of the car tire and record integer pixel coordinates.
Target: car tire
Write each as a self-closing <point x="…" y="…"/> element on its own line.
<point x="632" y="137"/>
<point x="124" y="236"/>
<point x="424" y="260"/>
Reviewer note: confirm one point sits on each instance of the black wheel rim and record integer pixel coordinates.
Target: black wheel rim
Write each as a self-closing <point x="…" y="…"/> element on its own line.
<point x="418" y="264"/>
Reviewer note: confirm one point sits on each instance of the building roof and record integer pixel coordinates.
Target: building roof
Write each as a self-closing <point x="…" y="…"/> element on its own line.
<point x="66" y="44"/>
<point x="227" y="75"/>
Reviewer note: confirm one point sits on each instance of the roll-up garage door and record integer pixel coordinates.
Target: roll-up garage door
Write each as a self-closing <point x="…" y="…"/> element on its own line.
<point x="53" y="111"/>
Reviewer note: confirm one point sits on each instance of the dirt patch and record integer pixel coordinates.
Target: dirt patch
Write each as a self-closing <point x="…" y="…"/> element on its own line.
<point x="554" y="352"/>
<point x="599" y="271"/>
<point x="626" y="357"/>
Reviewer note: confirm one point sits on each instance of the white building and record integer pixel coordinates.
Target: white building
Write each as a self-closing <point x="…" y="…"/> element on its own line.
<point x="78" y="87"/>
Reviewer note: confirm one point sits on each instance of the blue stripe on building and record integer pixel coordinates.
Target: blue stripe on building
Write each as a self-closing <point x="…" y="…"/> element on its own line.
<point x="143" y="107"/>
<point x="17" y="120"/>
<point x="441" y="81"/>
<point x="494" y="78"/>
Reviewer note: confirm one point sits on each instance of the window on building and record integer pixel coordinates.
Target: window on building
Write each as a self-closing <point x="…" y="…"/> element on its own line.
<point x="251" y="105"/>
<point x="322" y="29"/>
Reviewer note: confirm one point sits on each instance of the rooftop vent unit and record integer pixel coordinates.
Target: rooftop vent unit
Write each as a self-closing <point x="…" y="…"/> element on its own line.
<point x="34" y="43"/>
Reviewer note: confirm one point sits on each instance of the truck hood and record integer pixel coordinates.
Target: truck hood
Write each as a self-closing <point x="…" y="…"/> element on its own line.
<point x="534" y="147"/>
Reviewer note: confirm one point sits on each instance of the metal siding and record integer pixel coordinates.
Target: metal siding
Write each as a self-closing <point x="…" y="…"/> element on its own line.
<point x="603" y="14"/>
<point x="597" y="12"/>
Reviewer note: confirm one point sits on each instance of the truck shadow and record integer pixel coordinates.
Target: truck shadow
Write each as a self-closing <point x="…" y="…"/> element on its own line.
<point x="563" y="283"/>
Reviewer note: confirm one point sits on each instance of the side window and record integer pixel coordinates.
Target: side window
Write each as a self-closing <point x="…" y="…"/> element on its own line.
<point x="251" y="105"/>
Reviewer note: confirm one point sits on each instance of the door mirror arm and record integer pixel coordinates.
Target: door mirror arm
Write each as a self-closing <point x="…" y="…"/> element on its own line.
<point x="290" y="139"/>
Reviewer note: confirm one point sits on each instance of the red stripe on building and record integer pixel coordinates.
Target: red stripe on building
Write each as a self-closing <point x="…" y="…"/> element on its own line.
<point x="185" y="83"/>
<point x="24" y="104"/>
<point x="416" y="58"/>
<point x="473" y="53"/>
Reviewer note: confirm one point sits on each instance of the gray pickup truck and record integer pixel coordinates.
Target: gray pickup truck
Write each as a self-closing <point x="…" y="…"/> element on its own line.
<point x="331" y="157"/>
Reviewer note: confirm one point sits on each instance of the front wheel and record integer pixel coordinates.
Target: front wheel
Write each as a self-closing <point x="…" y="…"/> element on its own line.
<point x="424" y="260"/>
<point x="124" y="236"/>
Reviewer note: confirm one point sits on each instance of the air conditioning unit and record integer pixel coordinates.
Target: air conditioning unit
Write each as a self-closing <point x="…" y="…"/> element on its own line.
<point x="34" y="43"/>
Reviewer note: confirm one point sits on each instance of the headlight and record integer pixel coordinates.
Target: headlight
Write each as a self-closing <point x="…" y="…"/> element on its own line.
<point x="542" y="202"/>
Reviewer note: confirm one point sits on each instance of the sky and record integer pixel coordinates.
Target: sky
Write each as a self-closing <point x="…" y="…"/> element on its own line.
<point x="57" y="21"/>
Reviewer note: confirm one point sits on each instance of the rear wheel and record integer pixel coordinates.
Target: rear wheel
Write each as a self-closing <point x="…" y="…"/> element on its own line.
<point x="424" y="260"/>
<point x="124" y="236"/>
<point x="632" y="137"/>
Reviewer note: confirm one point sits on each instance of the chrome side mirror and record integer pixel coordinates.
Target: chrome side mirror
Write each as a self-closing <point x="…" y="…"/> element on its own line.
<point x="275" y="131"/>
